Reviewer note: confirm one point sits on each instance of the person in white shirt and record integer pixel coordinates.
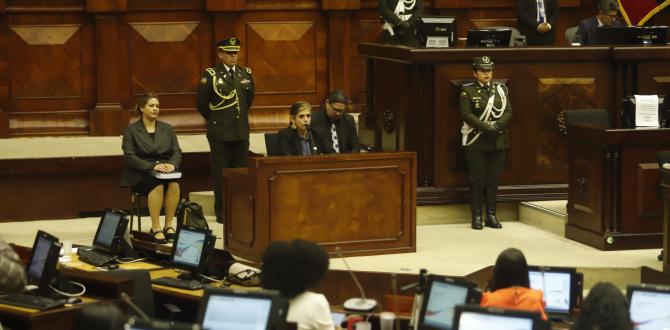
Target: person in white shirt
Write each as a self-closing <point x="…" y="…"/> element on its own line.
<point x="292" y="268"/>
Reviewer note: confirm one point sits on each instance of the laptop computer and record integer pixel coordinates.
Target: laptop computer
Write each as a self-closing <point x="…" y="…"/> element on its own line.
<point x="477" y="318"/>
<point x="442" y="295"/>
<point x="649" y="306"/>
<point x="231" y="309"/>
<point x="561" y="287"/>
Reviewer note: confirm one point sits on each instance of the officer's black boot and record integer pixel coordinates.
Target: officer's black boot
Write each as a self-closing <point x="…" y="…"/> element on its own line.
<point x="476" y="196"/>
<point x="491" y="199"/>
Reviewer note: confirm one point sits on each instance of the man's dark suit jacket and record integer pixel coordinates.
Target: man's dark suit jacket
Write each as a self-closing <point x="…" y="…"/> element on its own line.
<point x="588" y="30"/>
<point x="142" y="152"/>
<point x="290" y="144"/>
<point x="346" y="130"/>
<point x="526" y="11"/>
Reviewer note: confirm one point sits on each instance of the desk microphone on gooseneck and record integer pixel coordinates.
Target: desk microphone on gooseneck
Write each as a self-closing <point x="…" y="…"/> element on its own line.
<point x="134" y="307"/>
<point x="311" y="138"/>
<point x="361" y="304"/>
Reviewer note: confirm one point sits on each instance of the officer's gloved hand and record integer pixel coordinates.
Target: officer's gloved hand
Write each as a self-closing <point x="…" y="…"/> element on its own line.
<point x="492" y="129"/>
<point x="404" y="27"/>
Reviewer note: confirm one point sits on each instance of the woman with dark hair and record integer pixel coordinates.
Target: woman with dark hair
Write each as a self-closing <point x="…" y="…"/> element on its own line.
<point x="510" y="285"/>
<point x="150" y="146"/>
<point x="604" y="308"/>
<point x="299" y="138"/>
<point x="292" y="268"/>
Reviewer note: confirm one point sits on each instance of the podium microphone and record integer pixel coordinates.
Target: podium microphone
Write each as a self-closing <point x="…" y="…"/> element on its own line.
<point x="361" y="304"/>
<point x="311" y="138"/>
<point x="134" y="307"/>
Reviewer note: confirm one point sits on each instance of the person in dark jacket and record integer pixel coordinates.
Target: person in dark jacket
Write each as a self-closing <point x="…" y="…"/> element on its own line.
<point x="149" y="147"/>
<point x="537" y="19"/>
<point x="332" y="121"/>
<point x="299" y="138"/>
<point x="607" y="16"/>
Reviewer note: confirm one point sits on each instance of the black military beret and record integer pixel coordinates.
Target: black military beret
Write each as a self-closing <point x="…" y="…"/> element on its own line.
<point x="231" y="44"/>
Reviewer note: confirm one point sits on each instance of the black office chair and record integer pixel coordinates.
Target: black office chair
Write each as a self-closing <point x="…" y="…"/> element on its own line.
<point x="272" y="144"/>
<point x="598" y="118"/>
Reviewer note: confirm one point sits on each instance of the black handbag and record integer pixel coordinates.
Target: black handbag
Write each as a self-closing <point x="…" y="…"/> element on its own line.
<point x="190" y="214"/>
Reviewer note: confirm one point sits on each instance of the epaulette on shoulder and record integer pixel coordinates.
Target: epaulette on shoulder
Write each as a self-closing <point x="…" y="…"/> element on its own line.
<point x="211" y="71"/>
<point x="248" y="70"/>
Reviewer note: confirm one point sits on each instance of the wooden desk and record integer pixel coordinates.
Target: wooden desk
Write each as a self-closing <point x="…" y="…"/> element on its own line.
<point x="613" y="203"/>
<point x="665" y="194"/>
<point x="15" y="317"/>
<point x="412" y="104"/>
<point x="364" y="203"/>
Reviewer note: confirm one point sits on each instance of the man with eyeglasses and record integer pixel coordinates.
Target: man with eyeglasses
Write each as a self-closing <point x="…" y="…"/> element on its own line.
<point x="225" y="94"/>
<point x="607" y="16"/>
<point x="332" y="120"/>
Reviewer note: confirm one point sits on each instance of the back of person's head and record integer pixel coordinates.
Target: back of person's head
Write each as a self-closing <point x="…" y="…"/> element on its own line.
<point x="604" y="308"/>
<point x="606" y="6"/>
<point x="100" y="317"/>
<point x="293" y="267"/>
<point x="510" y="270"/>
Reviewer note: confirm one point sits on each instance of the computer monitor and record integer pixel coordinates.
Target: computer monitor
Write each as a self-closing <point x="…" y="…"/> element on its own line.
<point x="628" y="112"/>
<point x="110" y="232"/>
<point x="491" y="37"/>
<point x="190" y="249"/>
<point x="560" y="286"/>
<point x="135" y="323"/>
<point x="230" y="309"/>
<point x="41" y="266"/>
<point x="437" y="31"/>
<point x="441" y="296"/>
<point x="632" y="35"/>
<point x="649" y="306"/>
<point x="471" y="317"/>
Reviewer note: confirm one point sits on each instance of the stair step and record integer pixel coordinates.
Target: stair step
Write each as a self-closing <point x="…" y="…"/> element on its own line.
<point x="549" y="216"/>
<point x="205" y="199"/>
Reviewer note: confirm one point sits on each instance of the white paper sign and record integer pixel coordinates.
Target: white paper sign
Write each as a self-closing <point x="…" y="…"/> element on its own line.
<point x="646" y="110"/>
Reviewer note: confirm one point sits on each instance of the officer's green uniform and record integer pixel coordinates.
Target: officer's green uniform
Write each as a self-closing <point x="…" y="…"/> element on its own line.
<point x="484" y="140"/>
<point x="224" y="100"/>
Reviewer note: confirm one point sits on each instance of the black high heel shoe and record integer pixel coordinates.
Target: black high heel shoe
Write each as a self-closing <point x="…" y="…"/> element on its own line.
<point x="169" y="232"/>
<point x="156" y="239"/>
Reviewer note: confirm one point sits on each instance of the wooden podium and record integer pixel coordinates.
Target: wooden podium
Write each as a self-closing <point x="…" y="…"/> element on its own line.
<point x="363" y="203"/>
<point x="665" y="193"/>
<point x="613" y="199"/>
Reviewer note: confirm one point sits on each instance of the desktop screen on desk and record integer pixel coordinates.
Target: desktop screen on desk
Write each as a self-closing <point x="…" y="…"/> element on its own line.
<point x="231" y="313"/>
<point x="39" y="259"/>
<point x="443" y="298"/>
<point x="478" y="321"/>
<point x="650" y="310"/>
<point x="107" y="231"/>
<point x="189" y="247"/>
<point x="556" y="287"/>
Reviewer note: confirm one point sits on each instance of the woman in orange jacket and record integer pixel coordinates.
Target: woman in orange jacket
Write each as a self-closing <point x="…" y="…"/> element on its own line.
<point x="510" y="285"/>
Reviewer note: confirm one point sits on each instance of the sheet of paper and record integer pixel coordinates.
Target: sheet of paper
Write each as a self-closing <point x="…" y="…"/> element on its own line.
<point x="646" y="110"/>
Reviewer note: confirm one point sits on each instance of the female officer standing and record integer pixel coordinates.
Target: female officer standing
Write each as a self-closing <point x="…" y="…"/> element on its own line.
<point x="486" y="112"/>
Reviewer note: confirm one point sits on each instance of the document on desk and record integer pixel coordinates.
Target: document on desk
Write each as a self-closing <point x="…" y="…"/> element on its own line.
<point x="646" y="110"/>
<point x="169" y="175"/>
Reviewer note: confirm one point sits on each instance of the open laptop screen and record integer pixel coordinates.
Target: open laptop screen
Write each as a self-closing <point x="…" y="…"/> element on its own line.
<point x="189" y="247"/>
<point x="39" y="258"/>
<point x="556" y="284"/>
<point x="478" y="318"/>
<point x="104" y="237"/>
<point x="442" y="298"/>
<point x="237" y="312"/>
<point x="649" y="307"/>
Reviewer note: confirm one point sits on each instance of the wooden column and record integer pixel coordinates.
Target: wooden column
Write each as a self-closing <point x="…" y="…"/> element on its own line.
<point x="108" y="117"/>
<point x="339" y="42"/>
<point x="4" y="74"/>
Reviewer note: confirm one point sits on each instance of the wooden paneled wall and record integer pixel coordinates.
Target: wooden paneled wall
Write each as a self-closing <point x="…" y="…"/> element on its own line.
<point x="75" y="67"/>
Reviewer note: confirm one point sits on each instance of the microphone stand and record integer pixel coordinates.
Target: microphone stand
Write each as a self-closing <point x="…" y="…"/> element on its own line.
<point x="311" y="139"/>
<point x="418" y="298"/>
<point x="361" y="304"/>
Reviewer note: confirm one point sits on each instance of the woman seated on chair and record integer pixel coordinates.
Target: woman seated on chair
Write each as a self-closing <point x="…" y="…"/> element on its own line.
<point x="510" y="285"/>
<point x="150" y="146"/>
<point x="299" y="138"/>
<point x="293" y="268"/>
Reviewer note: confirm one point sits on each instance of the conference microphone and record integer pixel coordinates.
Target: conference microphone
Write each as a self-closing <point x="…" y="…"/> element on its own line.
<point x="134" y="307"/>
<point x="361" y="304"/>
<point x="311" y="138"/>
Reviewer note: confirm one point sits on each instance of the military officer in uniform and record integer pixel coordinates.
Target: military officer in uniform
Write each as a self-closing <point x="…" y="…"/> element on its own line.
<point x="486" y="113"/>
<point x="225" y="94"/>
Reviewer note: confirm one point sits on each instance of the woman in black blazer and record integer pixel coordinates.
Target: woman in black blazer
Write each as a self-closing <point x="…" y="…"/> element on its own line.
<point x="299" y="138"/>
<point x="151" y="146"/>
